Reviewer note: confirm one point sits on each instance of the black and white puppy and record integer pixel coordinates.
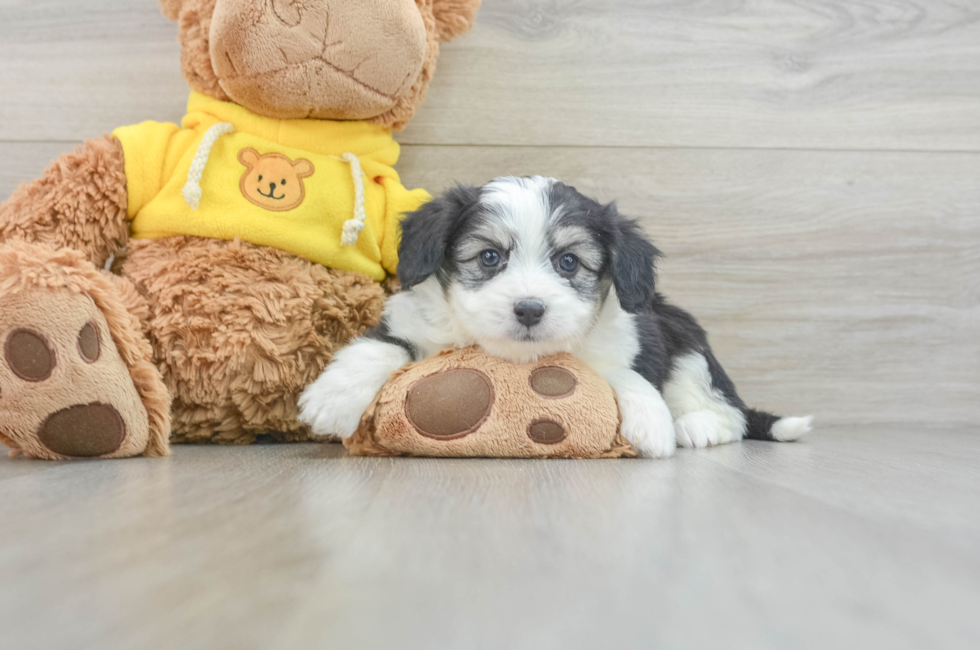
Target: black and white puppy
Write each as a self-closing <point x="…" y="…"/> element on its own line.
<point x="526" y="267"/>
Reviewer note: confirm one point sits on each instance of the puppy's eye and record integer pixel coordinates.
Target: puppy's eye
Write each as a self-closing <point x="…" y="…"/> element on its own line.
<point x="489" y="258"/>
<point x="568" y="263"/>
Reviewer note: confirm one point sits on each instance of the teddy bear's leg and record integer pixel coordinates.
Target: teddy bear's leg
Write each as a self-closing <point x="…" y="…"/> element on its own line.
<point x="80" y="203"/>
<point x="76" y="373"/>
<point x="240" y="330"/>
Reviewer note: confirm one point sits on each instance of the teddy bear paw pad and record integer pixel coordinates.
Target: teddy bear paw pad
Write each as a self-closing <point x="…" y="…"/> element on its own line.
<point x="84" y="431"/>
<point x="546" y="432"/>
<point x="65" y="390"/>
<point x="450" y="404"/>
<point x="553" y="382"/>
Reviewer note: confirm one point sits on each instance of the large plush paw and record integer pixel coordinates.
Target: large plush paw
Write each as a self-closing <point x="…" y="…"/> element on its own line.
<point x="66" y="391"/>
<point x="466" y="403"/>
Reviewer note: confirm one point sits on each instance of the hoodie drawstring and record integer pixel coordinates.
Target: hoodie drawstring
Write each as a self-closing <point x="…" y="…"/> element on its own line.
<point x="192" y="189"/>
<point x="353" y="227"/>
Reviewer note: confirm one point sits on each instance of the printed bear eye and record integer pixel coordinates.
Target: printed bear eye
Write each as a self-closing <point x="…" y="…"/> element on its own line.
<point x="260" y="176"/>
<point x="283" y="181"/>
<point x="489" y="258"/>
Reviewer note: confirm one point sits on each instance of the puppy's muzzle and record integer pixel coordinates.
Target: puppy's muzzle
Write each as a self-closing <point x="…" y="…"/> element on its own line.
<point x="529" y="312"/>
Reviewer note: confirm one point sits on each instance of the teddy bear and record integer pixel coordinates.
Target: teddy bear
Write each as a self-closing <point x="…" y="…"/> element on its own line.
<point x="185" y="282"/>
<point x="466" y="403"/>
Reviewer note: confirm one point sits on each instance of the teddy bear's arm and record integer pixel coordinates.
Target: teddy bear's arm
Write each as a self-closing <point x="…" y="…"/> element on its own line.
<point x="79" y="202"/>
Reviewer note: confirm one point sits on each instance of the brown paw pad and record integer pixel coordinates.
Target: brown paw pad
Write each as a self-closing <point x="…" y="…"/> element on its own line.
<point x="29" y="355"/>
<point x="89" y="346"/>
<point x="65" y="390"/>
<point x="83" y="431"/>
<point x="450" y="404"/>
<point x="553" y="382"/>
<point x="546" y="432"/>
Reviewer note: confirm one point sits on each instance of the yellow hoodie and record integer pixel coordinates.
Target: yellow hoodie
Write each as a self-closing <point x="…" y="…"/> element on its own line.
<point x="324" y="190"/>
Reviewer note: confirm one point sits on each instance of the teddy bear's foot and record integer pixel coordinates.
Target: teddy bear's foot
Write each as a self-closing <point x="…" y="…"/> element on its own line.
<point x="75" y="374"/>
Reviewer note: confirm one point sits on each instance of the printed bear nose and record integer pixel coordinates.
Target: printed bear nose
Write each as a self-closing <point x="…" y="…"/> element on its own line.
<point x="272" y="187"/>
<point x="529" y="312"/>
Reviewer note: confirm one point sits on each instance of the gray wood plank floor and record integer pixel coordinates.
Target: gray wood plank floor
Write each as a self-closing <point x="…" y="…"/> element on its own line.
<point x="811" y="169"/>
<point x="856" y="538"/>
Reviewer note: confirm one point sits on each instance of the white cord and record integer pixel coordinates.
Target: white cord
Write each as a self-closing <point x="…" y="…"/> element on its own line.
<point x="353" y="227"/>
<point x="193" y="194"/>
<point x="192" y="189"/>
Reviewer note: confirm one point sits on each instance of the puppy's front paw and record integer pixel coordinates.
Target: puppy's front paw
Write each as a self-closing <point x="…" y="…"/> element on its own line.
<point x="333" y="405"/>
<point x="698" y="429"/>
<point x="649" y="429"/>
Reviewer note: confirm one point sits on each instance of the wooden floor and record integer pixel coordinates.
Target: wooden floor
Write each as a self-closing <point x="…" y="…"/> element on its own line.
<point x="857" y="538"/>
<point x="812" y="171"/>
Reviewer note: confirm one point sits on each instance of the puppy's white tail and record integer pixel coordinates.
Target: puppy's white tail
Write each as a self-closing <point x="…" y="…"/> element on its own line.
<point x="766" y="426"/>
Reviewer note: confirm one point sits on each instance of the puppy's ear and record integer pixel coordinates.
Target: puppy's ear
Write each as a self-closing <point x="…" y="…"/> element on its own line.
<point x="634" y="260"/>
<point x="426" y="233"/>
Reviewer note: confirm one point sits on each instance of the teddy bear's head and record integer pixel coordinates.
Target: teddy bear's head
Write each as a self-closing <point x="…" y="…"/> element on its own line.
<point x="327" y="59"/>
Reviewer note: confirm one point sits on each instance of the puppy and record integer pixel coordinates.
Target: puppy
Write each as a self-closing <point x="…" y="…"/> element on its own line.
<point x="526" y="267"/>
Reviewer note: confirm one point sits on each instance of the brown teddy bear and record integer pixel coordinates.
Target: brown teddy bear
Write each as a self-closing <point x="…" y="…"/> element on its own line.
<point x="247" y="243"/>
<point x="467" y="403"/>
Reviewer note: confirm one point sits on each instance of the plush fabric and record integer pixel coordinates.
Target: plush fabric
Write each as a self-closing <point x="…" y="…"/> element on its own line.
<point x="235" y="204"/>
<point x="467" y="403"/>
<point x="331" y="60"/>
<point x="79" y="202"/>
<point x="239" y="330"/>
<point x="194" y="20"/>
<point x="171" y="8"/>
<point x="210" y="334"/>
<point x="453" y="17"/>
<point x="50" y="298"/>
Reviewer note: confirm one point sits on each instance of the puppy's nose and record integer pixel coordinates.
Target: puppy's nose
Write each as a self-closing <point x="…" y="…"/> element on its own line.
<point x="529" y="312"/>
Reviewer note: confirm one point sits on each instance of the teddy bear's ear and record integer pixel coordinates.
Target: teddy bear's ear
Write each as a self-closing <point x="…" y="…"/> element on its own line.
<point x="454" y="17"/>
<point x="171" y="8"/>
<point x="248" y="157"/>
<point x="303" y="168"/>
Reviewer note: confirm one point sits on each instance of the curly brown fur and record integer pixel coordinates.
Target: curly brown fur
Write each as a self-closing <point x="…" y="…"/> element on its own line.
<point x="444" y="20"/>
<point x="403" y="111"/>
<point x="239" y="330"/>
<point x="454" y="17"/>
<point x="80" y="203"/>
<point x="171" y="8"/>
<point x="26" y="267"/>
<point x="195" y="53"/>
